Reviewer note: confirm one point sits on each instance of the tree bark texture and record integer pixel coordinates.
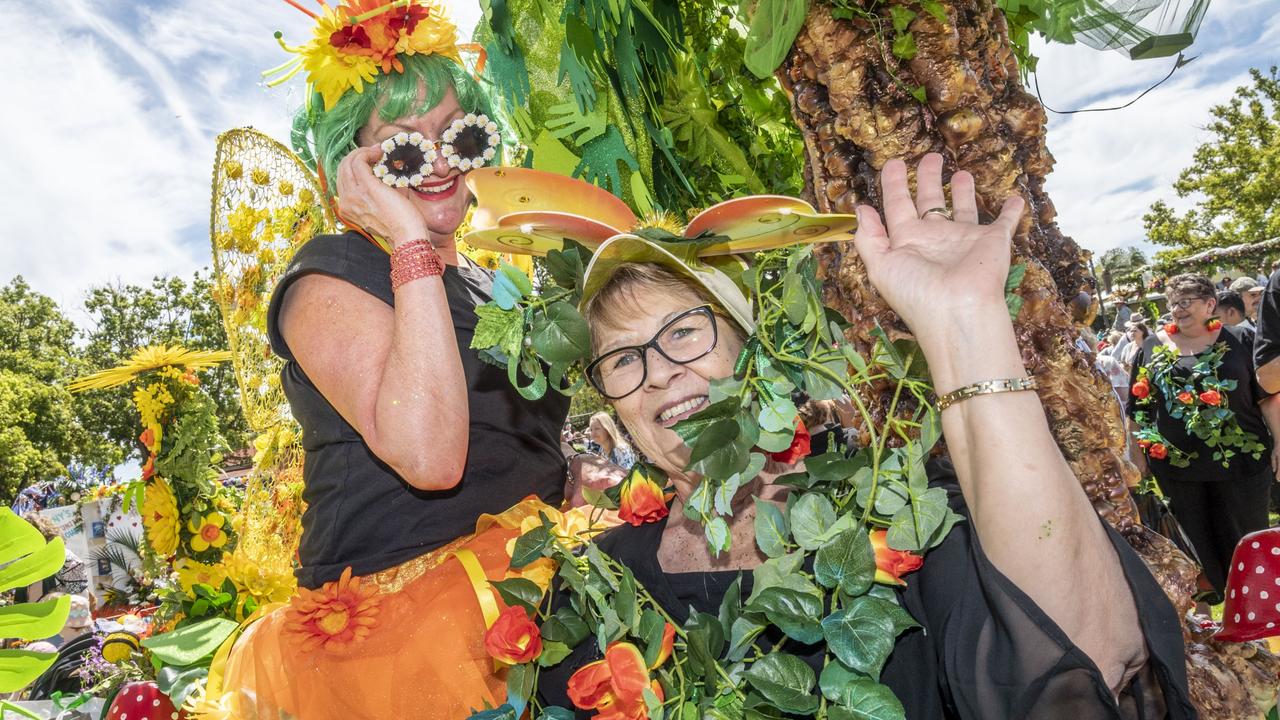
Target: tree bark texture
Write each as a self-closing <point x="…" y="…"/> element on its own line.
<point x="852" y="101"/>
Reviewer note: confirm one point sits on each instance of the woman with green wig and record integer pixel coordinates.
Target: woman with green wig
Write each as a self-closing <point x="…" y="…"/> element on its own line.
<point x="421" y="460"/>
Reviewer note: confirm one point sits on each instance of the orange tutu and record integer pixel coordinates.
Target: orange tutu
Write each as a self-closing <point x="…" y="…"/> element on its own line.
<point x="407" y="642"/>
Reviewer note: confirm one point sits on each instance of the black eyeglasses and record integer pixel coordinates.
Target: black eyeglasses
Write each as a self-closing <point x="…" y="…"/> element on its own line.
<point x="1185" y="303"/>
<point x="687" y="337"/>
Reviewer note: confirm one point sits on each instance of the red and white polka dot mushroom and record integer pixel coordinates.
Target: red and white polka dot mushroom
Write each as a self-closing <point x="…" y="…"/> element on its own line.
<point x="1252" y="610"/>
<point x="143" y="701"/>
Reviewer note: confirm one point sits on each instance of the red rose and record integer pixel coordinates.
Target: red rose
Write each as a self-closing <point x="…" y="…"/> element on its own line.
<point x="1158" y="451"/>
<point x="1141" y="389"/>
<point x="642" y="498"/>
<point x="1186" y="398"/>
<point x="514" y="638"/>
<point x="1213" y="324"/>
<point x="892" y="564"/>
<point x="799" y="448"/>
<point x="1171" y="329"/>
<point x="1211" y="397"/>
<point x="1144" y="444"/>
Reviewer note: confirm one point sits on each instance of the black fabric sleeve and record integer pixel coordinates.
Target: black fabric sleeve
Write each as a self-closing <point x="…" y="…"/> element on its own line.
<point x="1001" y="656"/>
<point x="1266" y="345"/>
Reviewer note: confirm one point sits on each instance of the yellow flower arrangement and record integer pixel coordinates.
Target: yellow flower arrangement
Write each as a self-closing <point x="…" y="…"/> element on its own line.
<point x="192" y="573"/>
<point x="243" y="224"/>
<point x="267" y="576"/>
<point x="207" y="532"/>
<point x="258" y="176"/>
<point x="233" y="169"/>
<point x="160" y="517"/>
<point x="152" y="357"/>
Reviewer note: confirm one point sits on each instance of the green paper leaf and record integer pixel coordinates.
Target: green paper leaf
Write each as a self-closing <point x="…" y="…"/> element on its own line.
<point x="847" y="562"/>
<point x="566" y="626"/>
<point x="560" y="335"/>
<point x="19" y="668"/>
<point x="503" y="329"/>
<point x="773" y="30"/>
<point x="38" y="565"/>
<point x="34" y="621"/>
<point x="796" y="613"/>
<point x="190" y="644"/>
<point x="552" y="653"/>
<point x="779" y="416"/>
<point x="862" y="634"/>
<point x="784" y="680"/>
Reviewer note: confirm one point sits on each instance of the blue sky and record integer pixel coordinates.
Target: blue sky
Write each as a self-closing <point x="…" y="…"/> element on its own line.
<point x="107" y="146"/>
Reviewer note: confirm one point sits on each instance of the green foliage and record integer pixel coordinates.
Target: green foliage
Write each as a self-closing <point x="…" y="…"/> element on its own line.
<point x="26" y="558"/>
<point x="169" y="311"/>
<point x="1234" y="177"/>
<point x="190" y="643"/>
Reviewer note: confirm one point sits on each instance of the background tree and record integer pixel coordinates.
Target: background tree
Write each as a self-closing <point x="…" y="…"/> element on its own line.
<point x="1235" y="177"/>
<point x="169" y="311"/>
<point x="1116" y="263"/>
<point x="40" y="429"/>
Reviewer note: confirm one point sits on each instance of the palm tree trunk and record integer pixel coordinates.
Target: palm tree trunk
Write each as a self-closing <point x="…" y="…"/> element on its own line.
<point x="854" y="104"/>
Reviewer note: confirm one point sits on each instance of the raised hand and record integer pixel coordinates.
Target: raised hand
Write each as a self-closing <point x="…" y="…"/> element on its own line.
<point x="370" y="204"/>
<point x="933" y="270"/>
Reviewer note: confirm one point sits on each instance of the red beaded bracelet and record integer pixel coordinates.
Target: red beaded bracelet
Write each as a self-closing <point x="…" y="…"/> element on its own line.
<point x="414" y="260"/>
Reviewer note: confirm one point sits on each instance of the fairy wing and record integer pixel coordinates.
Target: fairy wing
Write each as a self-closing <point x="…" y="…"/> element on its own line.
<point x="762" y="222"/>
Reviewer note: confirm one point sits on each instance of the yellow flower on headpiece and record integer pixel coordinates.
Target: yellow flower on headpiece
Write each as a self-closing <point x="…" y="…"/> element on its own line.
<point x="207" y="532"/>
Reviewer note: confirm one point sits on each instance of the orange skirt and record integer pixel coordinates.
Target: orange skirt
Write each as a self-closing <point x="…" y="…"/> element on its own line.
<point x="407" y="642"/>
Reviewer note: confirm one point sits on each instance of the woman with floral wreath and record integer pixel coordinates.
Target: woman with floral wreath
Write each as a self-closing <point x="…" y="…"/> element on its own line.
<point x="1203" y="426"/>
<point x="411" y="441"/>
<point x="1004" y="633"/>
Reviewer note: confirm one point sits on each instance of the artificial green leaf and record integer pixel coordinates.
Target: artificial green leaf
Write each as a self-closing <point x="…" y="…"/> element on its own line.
<point x="34" y="621"/>
<point x="936" y="9"/>
<point x="556" y="713"/>
<point x="529" y="547"/>
<point x="624" y="602"/>
<point x="846" y="562"/>
<point x="831" y="467"/>
<point x="731" y="603"/>
<point x="520" y="681"/>
<point x="552" y="653"/>
<point x="698" y="507"/>
<point x="776" y="441"/>
<point x="795" y="299"/>
<point x="19" y="668"/>
<point x="190" y="644"/>
<point x="796" y="613"/>
<point x="811" y="517"/>
<point x="717" y="532"/>
<point x="495" y="327"/>
<point x="862" y="634"/>
<point x="914" y="525"/>
<point x="38" y="565"/>
<point x="532" y="369"/>
<point x="505" y="711"/>
<point x="773" y="30"/>
<point x="519" y="591"/>
<point x="834" y="678"/>
<point x="651" y="629"/>
<point x="598" y="498"/>
<point x="566" y="626"/>
<point x="742" y="634"/>
<point x="180" y="682"/>
<point x="718" y="452"/>
<point x="771" y="529"/>
<point x="779" y="415"/>
<point x="560" y="334"/>
<point x="866" y="699"/>
<point x="704" y="639"/>
<point x="784" y="680"/>
<point x="693" y="426"/>
<point x="510" y="286"/>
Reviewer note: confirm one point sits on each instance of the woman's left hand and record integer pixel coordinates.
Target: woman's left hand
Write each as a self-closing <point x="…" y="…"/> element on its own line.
<point x="932" y="270"/>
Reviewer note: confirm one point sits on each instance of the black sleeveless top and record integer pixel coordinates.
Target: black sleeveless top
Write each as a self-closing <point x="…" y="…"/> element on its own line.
<point x="359" y="512"/>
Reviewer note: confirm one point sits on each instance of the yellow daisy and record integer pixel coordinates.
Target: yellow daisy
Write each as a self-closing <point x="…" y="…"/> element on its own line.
<point x="150" y="358"/>
<point x="160" y="517"/>
<point x="207" y="532"/>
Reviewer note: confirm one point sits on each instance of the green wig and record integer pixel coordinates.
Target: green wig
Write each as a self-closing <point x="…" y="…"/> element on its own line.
<point x="323" y="137"/>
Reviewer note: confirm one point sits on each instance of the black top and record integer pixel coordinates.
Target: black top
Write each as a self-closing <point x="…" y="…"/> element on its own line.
<point x="359" y="512"/>
<point x="1237" y="364"/>
<point x="984" y="649"/>
<point x="1266" y="347"/>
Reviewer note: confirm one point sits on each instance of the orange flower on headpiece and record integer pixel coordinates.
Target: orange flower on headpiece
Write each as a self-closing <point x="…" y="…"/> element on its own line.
<point x="357" y="39"/>
<point x="642" y="497"/>
<point x="615" y="685"/>
<point x="339" y="613"/>
<point x="892" y="564"/>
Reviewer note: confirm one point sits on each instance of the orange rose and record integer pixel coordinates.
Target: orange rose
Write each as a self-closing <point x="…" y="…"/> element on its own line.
<point x="1141" y="389"/>
<point x="1158" y="451"/>
<point x="642" y="498"/>
<point x="1144" y="444"/>
<point x="892" y="564"/>
<point x="1186" y="398"/>
<point x="668" y="644"/>
<point x="799" y="448"/>
<point x="149" y="469"/>
<point x="1211" y="397"/>
<point x="615" y="685"/>
<point x="514" y="638"/>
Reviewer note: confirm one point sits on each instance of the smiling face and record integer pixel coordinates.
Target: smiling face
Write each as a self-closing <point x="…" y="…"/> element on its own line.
<point x="443" y="198"/>
<point x="670" y="392"/>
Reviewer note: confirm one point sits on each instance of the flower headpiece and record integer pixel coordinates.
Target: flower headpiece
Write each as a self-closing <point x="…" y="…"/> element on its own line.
<point x="357" y="39"/>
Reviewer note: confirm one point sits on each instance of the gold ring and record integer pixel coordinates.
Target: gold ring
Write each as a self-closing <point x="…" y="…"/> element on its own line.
<point x="937" y="211"/>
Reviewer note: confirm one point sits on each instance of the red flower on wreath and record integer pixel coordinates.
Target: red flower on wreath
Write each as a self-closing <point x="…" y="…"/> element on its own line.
<point x="1158" y="451"/>
<point x="892" y="564"/>
<point x="1186" y="398"/>
<point x="1211" y="397"/>
<point x="1213" y="324"/>
<point x="1144" y="444"/>
<point x="799" y="448"/>
<point x="149" y="468"/>
<point x="514" y="638"/>
<point x="1141" y="389"/>
<point x="1171" y="328"/>
<point x="614" y="686"/>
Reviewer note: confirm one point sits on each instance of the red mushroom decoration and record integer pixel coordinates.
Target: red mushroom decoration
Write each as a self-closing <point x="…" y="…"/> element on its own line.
<point x="1252" y="611"/>
<point x="142" y="701"/>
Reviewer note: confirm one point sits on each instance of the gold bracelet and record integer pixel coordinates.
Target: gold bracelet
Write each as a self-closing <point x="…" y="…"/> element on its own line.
<point x="987" y="387"/>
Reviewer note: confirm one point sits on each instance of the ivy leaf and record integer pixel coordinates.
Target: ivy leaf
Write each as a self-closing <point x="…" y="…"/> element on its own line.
<point x="772" y="531"/>
<point x="847" y="562"/>
<point x="936" y="9"/>
<point x="861" y="635"/>
<point x="560" y="335"/>
<point x="834" y="678"/>
<point x="519" y="591"/>
<point x="503" y="329"/>
<point x="811" y="518"/>
<point x="865" y="699"/>
<point x="902" y="17"/>
<point x="784" y="680"/>
<point x="529" y="547"/>
<point x="796" y="613"/>
<point x="774" y="571"/>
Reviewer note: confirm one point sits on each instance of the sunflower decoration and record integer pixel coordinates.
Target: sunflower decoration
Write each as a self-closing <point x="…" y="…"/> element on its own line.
<point x="160" y="517"/>
<point x="150" y="358"/>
